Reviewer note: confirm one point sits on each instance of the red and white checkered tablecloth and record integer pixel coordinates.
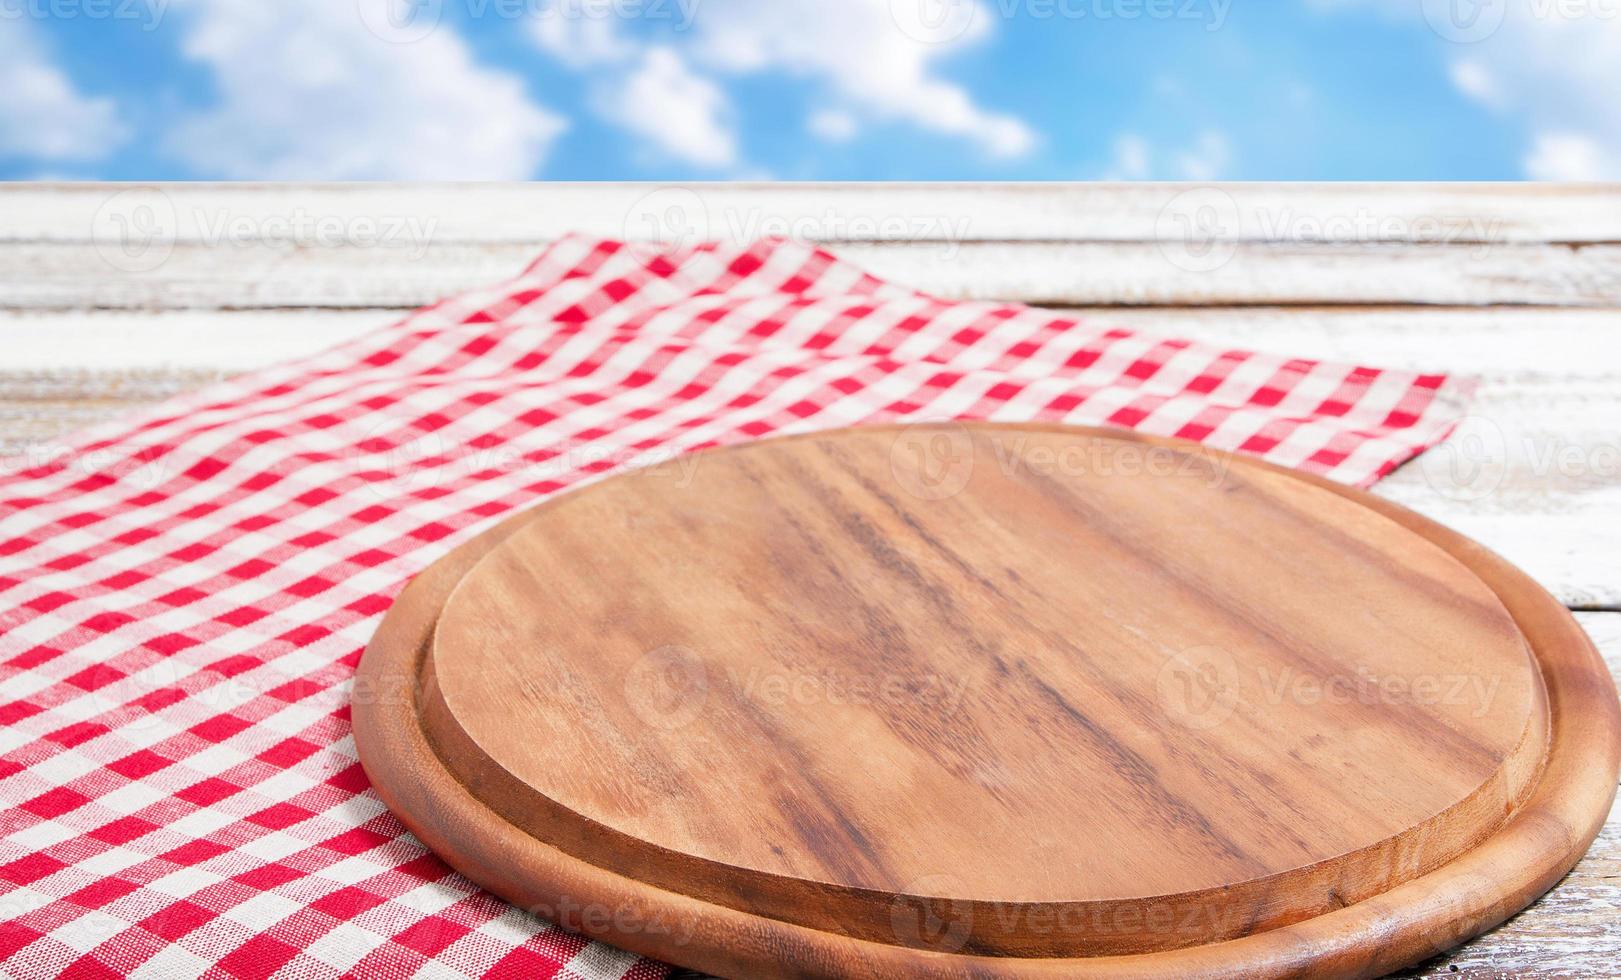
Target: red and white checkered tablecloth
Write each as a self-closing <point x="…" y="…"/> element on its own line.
<point x="184" y="594"/>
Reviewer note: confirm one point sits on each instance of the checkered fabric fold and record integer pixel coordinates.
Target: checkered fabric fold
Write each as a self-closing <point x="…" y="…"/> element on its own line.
<point x="184" y="594"/>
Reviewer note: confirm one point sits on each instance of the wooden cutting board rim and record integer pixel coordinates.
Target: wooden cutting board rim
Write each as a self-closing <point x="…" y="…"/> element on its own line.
<point x="761" y="864"/>
<point x="392" y="744"/>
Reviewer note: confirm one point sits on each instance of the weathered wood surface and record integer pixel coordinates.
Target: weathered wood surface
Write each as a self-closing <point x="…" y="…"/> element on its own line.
<point x="212" y="247"/>
<point x="852" y="212"/>
<point x="1572" y="930"/>
<point x="1347" y="271"/>
<point x="257" y="275"/>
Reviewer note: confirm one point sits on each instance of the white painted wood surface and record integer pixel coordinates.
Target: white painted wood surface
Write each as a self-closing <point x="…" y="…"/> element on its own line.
<point x="990" y="212"/>
<point x="1519" y="285"/>
<point x="51" y="276"/>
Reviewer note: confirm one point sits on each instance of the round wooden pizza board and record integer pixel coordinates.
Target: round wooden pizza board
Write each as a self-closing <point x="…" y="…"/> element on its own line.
<point x="979" y="700"/>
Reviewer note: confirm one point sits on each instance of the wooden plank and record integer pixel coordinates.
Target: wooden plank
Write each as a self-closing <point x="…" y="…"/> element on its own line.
<point x="39" y="409"/>
<point x="258" y="275"/>
<point x="1169" y="274"/>
<point x="1460" y="339"/>
<point x="450" y="213"/>
<point x="1548" y="413"/>
<point x="203" y="340"/>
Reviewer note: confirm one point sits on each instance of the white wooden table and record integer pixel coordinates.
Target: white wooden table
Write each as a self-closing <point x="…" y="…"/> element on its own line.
<point x="112" y="297"/>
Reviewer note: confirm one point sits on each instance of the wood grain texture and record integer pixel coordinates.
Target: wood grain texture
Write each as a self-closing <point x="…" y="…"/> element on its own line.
<point x="1572" y="931"/>
<point x="254" y="275"/>
<point x="1100" y="212"/>
<point x="896" y="680"/>
<point x="1411" y="920"/>
<point x="39" y="409"/>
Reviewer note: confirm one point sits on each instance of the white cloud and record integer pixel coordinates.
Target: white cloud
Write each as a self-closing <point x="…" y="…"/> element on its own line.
<point x="1134" y="158"/>
<point x="1474" y="80"/>
<point x="1554" y="65"/>
<point x="42" y="115"/>
<point x="832" y="125"/>
<point x="581" y="42"/>
<point x="309" y="90"/>
<point x="876" y="61"/>
<point x="1561" y="74"/>
<point x="1206" y="159"/>
<point x="679" y="112"/>
<point x="859" y="48"/>
<point x="1570" y="156"/>
<point x="1130" y="159"/>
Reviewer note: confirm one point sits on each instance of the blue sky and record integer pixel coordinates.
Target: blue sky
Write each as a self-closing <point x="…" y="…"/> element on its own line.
<point x="810" y="89"/>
